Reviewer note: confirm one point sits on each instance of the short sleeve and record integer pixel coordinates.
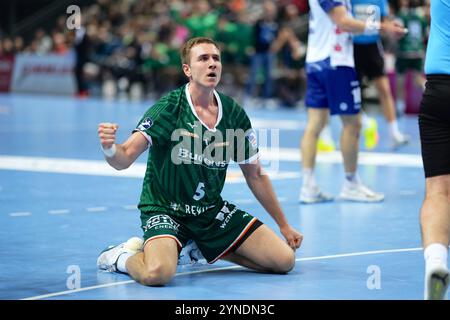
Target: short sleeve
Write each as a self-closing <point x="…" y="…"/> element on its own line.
<point x="157" y="124"/>
<point x="327" y="5"/>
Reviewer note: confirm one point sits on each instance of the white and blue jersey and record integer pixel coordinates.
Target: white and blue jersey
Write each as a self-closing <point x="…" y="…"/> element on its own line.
<point x="437" y="59"/>
<point x="325" y="39"/>
<point x="374" y="10"/>
<point x="331" y="77"/>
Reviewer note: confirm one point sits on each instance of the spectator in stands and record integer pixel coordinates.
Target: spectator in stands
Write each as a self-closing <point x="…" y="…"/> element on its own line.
<point x="126" y="40"/>
<point x="18" y="44"/>
<point x="265" y="33"/>
<point x="8" y="46"/>
<point x="291" y="83"/>
<point x="44" y="42"/>
<point x="59" y="43"/>
<point x="82" y="46"/>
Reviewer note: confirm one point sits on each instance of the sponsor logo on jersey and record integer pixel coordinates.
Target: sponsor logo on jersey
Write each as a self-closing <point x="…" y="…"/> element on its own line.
<point x="221" y="144"/>
<point x="225" y="215"/>
<point x="161" y="221"/>
<point x="228" y="218"/>
<point x="251" y="137"/>
<point x="221" y="215"/>
<point x="196" y="210"/>
<point x="214" y="150"/>
<point x="184" y="154"/>
<point x="146" y="124"/>
<point x="189" y="134"/>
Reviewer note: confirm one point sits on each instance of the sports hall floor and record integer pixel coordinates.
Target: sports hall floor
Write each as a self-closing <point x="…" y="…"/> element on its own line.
<point x="60" y="205"/>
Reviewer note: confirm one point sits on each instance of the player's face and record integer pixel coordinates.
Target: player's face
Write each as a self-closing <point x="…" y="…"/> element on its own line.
<point x="205" y="67"/>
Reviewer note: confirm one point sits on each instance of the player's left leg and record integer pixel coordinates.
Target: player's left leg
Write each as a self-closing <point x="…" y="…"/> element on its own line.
<point x="353" y="189"/>
<point x="435" y="225"/>
<point x="263" y="250"/>
<point x="389" y="111"/>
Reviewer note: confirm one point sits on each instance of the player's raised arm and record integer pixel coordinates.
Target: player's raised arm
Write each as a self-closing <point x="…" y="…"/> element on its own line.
<point x="120" y="156"/>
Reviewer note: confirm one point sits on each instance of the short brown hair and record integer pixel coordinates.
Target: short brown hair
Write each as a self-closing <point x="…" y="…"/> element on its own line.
<point x="186" y="49"/>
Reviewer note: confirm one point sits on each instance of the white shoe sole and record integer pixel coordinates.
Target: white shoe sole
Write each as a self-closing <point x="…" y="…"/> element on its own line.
<point x="315" y="200"/>
<point x="359" y="199"/>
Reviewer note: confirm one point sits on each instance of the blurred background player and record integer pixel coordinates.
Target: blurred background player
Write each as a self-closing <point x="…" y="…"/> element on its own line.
<point x="434" y="125"/>
<point x="411" y="48"/>
<point x="330" y="58"/>
<point x="369" y="63"/>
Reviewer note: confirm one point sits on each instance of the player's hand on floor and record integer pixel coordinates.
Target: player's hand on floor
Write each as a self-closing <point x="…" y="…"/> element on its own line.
<point x="293" y="237"/>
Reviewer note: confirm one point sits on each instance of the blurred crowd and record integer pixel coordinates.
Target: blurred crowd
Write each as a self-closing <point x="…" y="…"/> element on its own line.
<point x="131" y="47"/>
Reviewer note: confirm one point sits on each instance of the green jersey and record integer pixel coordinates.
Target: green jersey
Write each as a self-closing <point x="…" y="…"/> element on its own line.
<point x="187" y="161"/>
<point x="412" y="45"/>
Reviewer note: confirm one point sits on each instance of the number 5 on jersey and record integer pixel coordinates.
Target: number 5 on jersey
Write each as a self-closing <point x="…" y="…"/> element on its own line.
<point x="199" y="192"/>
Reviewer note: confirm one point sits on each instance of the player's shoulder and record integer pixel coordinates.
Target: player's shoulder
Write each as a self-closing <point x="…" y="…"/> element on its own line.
<point x="328" y="5"/>
<point x="169" y="103"/>
<point x="229" y="104"/>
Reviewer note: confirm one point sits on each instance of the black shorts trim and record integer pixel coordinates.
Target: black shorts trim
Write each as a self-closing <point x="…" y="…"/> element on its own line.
<point x="434" y="126"/>
<point x="252" y="229"/>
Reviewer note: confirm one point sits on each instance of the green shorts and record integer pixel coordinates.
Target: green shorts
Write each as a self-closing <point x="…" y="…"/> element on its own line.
<point x="404" y="64"/>
<point x="216" y="232"/>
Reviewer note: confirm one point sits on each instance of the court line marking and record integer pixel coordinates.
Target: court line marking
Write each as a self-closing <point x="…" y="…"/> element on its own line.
<point x="59" y="211"/>
<point x="67" y="211"/>
<point x="259" y="123"/>
<point x="20" y="214"/>
<point x="96" y="209"/>
<point x="269" y="156"/>
<point x="335" y="256"/>
<point x="130" y="207"/>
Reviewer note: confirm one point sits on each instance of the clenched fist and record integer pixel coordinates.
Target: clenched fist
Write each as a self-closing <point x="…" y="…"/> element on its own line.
<point x="107" y="134"/>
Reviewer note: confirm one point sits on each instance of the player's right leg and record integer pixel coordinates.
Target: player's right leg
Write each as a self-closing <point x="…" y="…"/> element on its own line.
<point x="389" y="111"/>
<point x="154" y="264"/>
<point x="434" y="125"/>
<point x="435" y="225"/>
<point x="310" y="192"/>
<point x="157" y="264"/>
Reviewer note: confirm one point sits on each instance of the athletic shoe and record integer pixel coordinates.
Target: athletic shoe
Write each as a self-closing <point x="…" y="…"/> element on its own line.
<point x="370" y="132"/>
<point x="436" y="282"/>
<point x="358" y="192"/>
<point x="191" y="254"/>
<point x="325" y="145"/>
<point x="399" y="140"/>
<point x="107" y="260"/>
<point x="314" y="195"/>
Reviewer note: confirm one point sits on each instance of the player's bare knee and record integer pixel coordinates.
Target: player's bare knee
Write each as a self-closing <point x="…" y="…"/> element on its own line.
<point x="355" y="126"/>
<point x="315" y="127"/>
<point x="285" y="261"/>
<point x="157" y="275"/>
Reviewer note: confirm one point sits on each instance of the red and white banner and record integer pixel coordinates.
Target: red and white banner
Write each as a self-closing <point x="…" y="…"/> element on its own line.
<point x="6" y="70"/>
<point x="52" y="74"/>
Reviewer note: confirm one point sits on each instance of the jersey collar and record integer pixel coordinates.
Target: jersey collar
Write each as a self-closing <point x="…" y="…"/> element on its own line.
<point x="219" y="105"/>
